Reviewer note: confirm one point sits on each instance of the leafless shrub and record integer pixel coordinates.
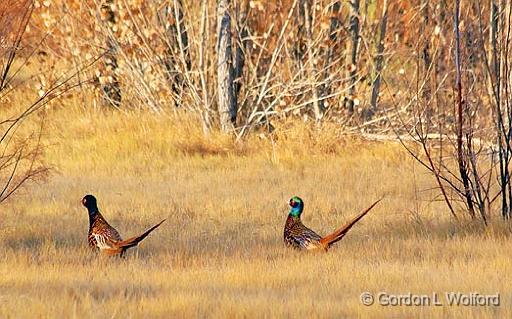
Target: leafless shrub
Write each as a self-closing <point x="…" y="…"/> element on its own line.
<point x="467" y="148"/>
<point x="21" y="146"/>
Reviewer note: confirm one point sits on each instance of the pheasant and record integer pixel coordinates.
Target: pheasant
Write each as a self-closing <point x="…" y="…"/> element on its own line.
<point x="298" y="236"/>
<point x="105" y="237"/>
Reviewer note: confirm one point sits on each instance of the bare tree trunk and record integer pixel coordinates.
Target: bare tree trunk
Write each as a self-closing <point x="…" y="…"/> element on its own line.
<point x="172" y="19"/>
<point x="310" y="65"/>
<point x="300" y="47"/>
<point x="352" y="54"/>
<point x="505" y="53"/>
<point x="304" y="52"/>
<point x="241" y="44"/>
<point x="440" y="54"/>
<point x="458" y="82"/>
<point x="427" y="59"/>
<point x="334" y="29"/>
<point x="439" y="67"/>
<point x="227" y="103"/>
<point x="203" y="68"/>
<point x="379" y="61"/>
<point x="109" y="80"/>
<point x="494" y="86"/>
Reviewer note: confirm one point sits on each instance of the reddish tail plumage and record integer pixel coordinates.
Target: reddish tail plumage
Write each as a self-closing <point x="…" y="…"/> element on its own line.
<point x="338" y="234"/>
<point x="134" y="241"/>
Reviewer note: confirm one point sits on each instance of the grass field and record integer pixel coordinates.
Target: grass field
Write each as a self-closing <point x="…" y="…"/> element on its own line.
<point x="220" y="253"/>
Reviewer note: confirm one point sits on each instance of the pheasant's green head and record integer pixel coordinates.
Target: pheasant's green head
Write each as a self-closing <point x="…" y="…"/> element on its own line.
<point x="297" y="205"/>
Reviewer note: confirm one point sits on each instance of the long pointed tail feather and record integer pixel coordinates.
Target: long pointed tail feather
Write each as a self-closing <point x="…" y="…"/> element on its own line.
<point x="338" y="234"/>
<point x="134" y="241"/>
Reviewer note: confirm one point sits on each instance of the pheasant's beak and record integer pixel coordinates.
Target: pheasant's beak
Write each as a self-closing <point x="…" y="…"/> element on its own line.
<point x="83" y="201"/>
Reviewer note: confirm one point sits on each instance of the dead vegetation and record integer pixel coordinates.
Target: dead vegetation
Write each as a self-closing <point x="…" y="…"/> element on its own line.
<point x="125" y="99"/>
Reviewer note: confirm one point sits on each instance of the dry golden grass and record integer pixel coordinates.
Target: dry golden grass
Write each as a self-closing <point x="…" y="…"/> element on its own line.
<point x="220" y="254"/>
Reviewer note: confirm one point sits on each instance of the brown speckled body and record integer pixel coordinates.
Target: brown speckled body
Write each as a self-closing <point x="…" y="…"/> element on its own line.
<point x="106" y="238"/>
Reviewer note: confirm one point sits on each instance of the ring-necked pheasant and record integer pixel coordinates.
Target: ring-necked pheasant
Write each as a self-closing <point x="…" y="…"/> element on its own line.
<point x="299" y="236"/>
<point x="105" y="237"/>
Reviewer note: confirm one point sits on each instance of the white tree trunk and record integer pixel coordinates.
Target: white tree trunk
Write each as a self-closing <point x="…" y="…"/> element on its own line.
<point x="203" y="68"/>
<point x="310" y="65"/>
